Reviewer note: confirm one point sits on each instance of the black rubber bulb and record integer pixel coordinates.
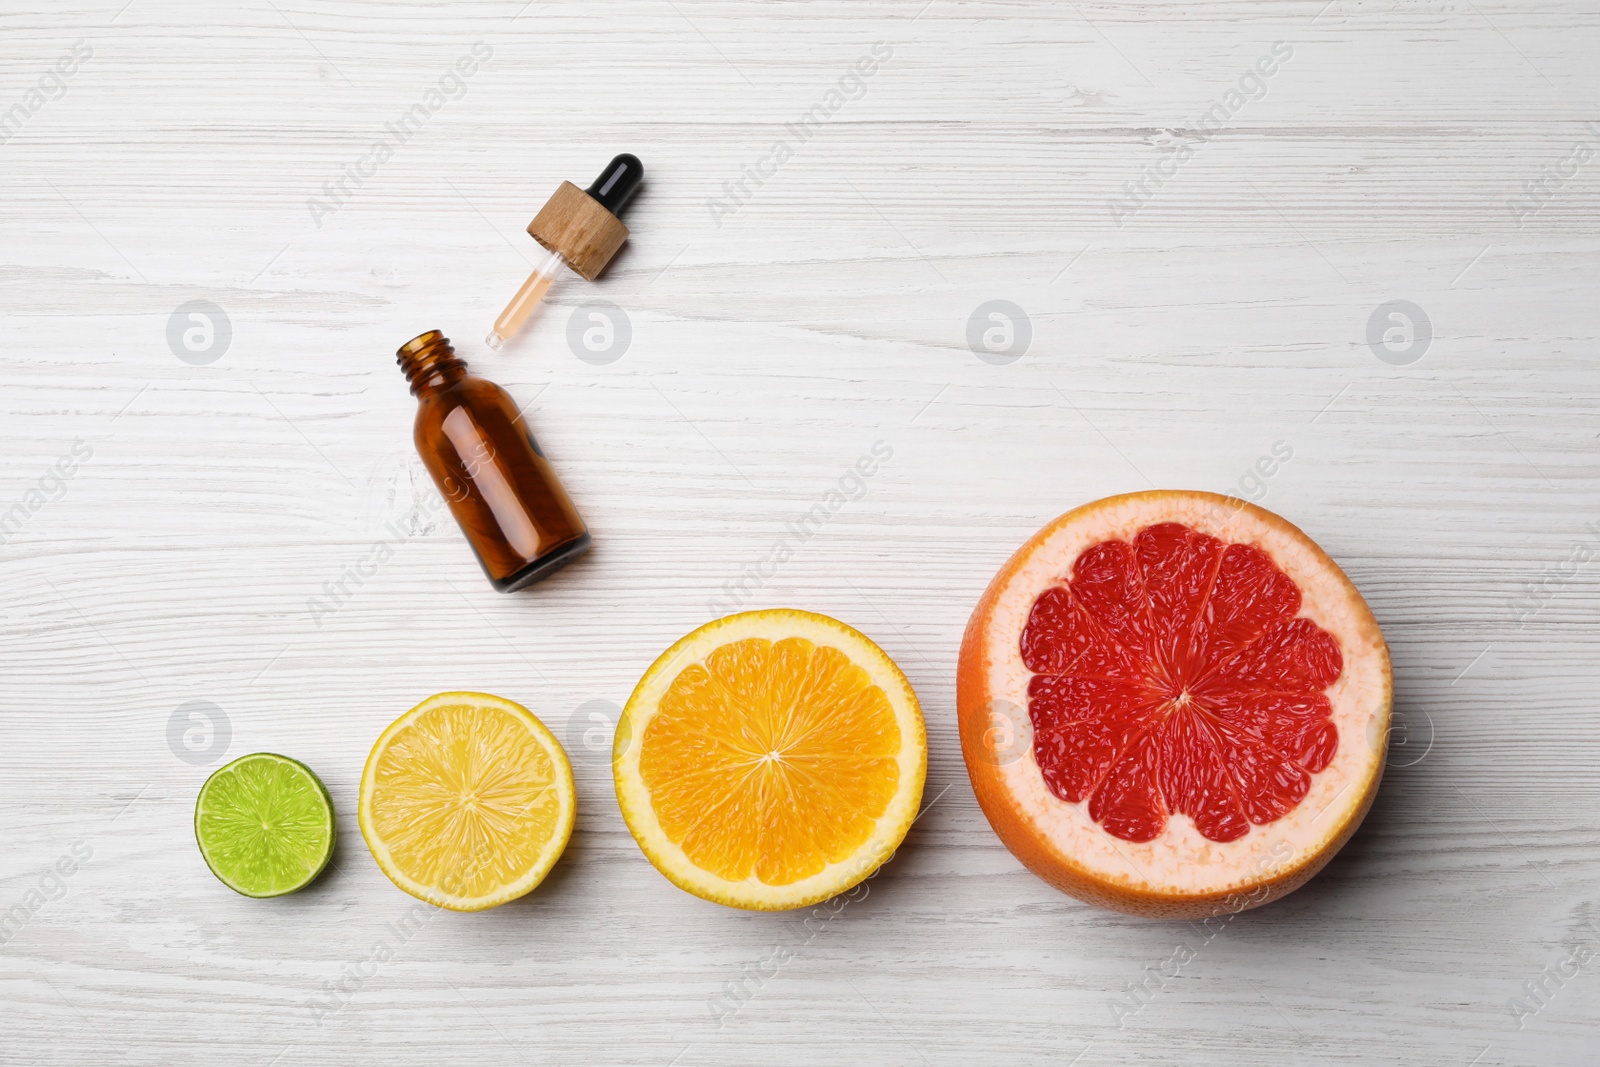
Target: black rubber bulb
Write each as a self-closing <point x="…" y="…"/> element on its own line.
<point x="617" y="183"/>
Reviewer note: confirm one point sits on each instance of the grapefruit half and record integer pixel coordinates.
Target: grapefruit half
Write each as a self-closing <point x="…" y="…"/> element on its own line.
<point x="1173" y="704"/>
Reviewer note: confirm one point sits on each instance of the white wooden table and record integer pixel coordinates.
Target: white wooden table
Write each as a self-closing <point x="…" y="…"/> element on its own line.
<point x="183" y="504"/>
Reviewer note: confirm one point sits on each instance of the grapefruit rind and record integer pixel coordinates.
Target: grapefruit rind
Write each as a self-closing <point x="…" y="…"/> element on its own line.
<point x="1180" y="874"/>
<point x="751" y="893"/>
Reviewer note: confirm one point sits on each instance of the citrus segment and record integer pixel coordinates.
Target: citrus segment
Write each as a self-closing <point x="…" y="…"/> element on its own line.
<point x="467" y="801"/>
<point x="264" y="825"/>
<point x="1204" y="698"/>
<point x="770" y="759"/>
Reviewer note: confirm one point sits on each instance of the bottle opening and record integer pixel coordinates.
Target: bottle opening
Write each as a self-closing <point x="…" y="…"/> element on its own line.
<point x="428" y="359"/>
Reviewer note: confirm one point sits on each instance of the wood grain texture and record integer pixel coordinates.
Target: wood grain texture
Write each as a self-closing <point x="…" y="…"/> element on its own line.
<point x="773" y="342"/>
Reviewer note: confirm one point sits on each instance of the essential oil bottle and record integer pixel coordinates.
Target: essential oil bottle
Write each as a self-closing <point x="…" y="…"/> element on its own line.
<point x="483" y="457"/>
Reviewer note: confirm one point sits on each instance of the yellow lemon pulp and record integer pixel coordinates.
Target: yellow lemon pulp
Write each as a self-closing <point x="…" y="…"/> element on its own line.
<point x="779" y="760"/>
<point x="467" y="801"/>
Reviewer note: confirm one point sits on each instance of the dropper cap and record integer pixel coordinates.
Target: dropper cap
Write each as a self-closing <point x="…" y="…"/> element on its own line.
<point x="579" y="228"/>
<point x="582" y="225"/>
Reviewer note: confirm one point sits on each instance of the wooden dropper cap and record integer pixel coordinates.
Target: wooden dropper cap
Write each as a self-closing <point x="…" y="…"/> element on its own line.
<point x="582" y="224"/>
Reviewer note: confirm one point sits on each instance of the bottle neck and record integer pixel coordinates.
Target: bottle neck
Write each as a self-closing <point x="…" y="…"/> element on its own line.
<point x="430" y="364"/>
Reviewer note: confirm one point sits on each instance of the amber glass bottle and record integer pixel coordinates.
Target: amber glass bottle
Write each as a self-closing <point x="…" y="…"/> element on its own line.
<point x="483" y="458"/>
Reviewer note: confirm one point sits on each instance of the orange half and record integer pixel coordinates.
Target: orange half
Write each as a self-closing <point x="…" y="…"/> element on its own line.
<point x="770" y="760"/>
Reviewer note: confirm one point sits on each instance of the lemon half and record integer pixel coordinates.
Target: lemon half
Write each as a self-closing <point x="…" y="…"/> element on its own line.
<point x="467" y="801"/>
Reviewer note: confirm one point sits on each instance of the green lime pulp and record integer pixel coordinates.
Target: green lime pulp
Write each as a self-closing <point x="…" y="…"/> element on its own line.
<point x="264" y="824"/>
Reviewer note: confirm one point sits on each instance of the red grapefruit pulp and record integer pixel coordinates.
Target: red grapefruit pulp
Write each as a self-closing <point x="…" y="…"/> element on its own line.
<point x="1205" y="699"/>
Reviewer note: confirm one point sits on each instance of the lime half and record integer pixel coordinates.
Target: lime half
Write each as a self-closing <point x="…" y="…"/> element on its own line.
<point x="264" y="824"/>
